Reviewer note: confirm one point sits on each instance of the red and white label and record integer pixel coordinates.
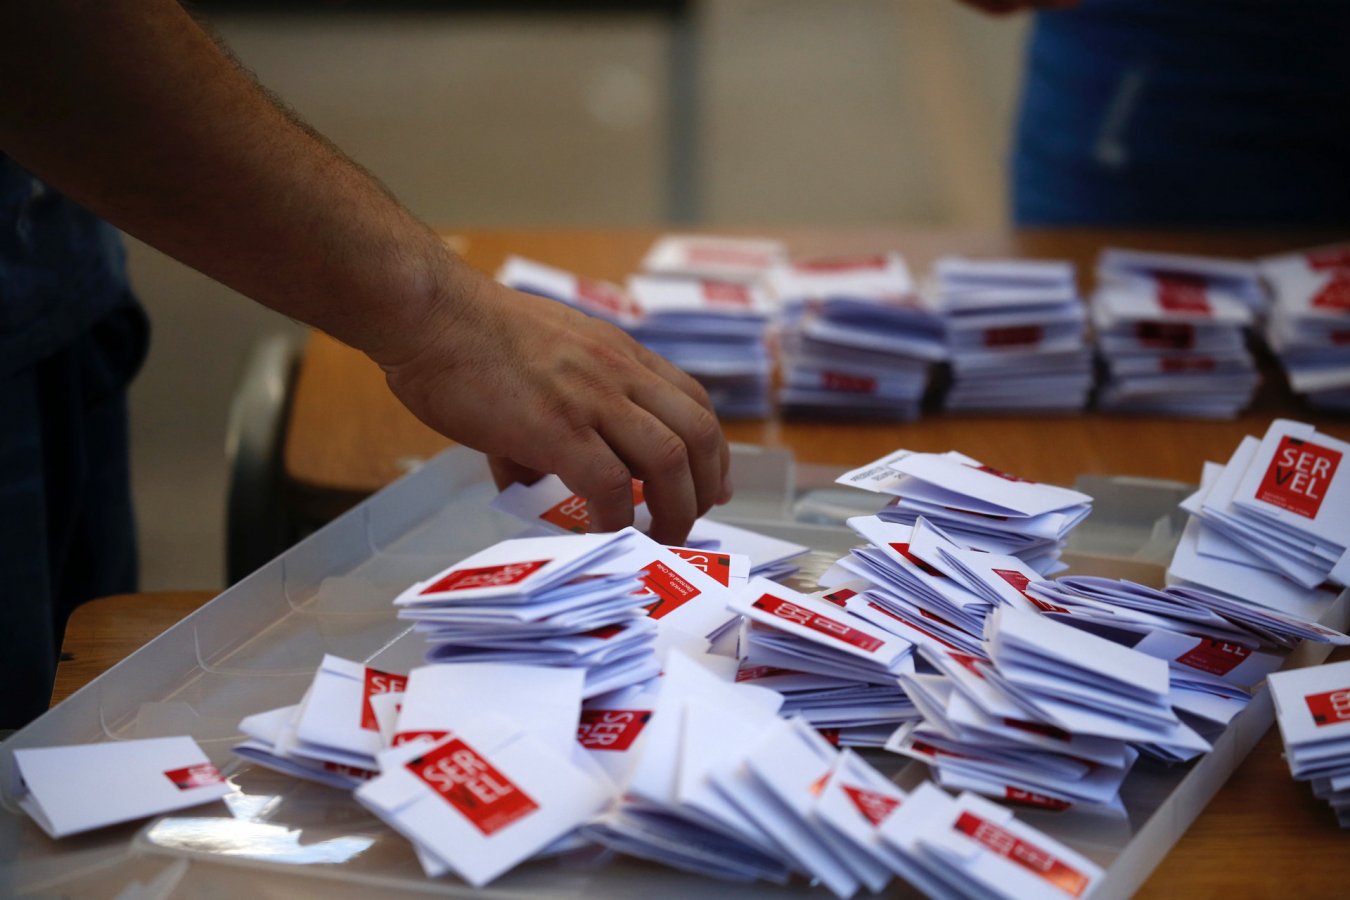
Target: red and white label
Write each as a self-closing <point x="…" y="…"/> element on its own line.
<point x="672" y="590"/>
<point x="1031" y="798"/>
<point x="1165" y="335"/>
<point x="1330" y="258"/>
<point x="1298" y="476"/>
<point x="791" y="612"/>
<point x="903" y="550"/>
<point x="847" y="384"/>
<point x="874" y="807"/>
<point x="407" y="737"/>
<point x="572" y="514"/>
<point x="200" y="775"/>
<point x="377" y="683"/>
<point x="611" y="729"/>
<point x="1214" y="656"/>
<point x="1013" y="336"/>
<point x="1335" y="294"/>
<point x="1330" y="708"/>
<point x="486" y="577"/>
<point x="469" y="783"/>
<point x="1023" y="853"/>
<point x="606" y="297"/>
<point x="1173" y="365"/>
<point x="754" y="673"/>
<point x="1020" y="583"/>
<point x="716" y="566"/>
<point x="840" y="597"/>
<point x="720" y="293"/>
<point x="349" y="771"/>
<point x="1176" y="294"/>
<point x="717" y="255"/>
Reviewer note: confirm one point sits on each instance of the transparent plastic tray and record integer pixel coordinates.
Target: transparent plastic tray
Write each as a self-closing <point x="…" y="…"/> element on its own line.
<point x="256" y="646"/>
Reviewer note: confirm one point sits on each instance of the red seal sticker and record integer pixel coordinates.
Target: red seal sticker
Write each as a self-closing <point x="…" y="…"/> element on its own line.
<point x="716" y="566"/>
<point x="1298" y="476"/>
<point x="1214" y="656"/>
<point x="485" y="577"/>
<point x="672" y="590"/>
<point x="377" y="683"/>
<point x="470" y="784"/>
<point x="190" y="777"/>
<point x="874" y="807"/>
<point x="791" y="612"/>
<point x="1330" y="708"/>
<point x="1023" y="853"/>
<point x="611" y="729"/>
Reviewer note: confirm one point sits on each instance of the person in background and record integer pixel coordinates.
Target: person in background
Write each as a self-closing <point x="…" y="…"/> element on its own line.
<point x="1226" y="113"/>
<point x="129" y="109"/>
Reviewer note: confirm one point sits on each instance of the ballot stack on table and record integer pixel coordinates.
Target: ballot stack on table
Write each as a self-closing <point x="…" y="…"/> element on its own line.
<point x="1172" y="333"/>
<point x="1016" y="335"/>
<point x="1309" y="323"/>
<point x="1312" y="706"/>
<point x="858" y="339"/>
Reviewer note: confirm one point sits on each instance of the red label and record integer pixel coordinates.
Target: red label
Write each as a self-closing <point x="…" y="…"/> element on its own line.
<point x="1041" y="728"/>
<point x="840" y="597"/>
<point x="754" y="673"/>
<point x="873" y="806"/>
<point x="784" y="609"/>
<point x="843" y="264"/>
<point x="1013" y="336"/>
<point x="606" y="297"/>
<point x="1335" y="294"/>
<point x="1025" y="854"/>
<point x="200" y="775"/>
<point x="1215" y="657"/>
<point x="1183" y="295"/>
<point x="350" y="771"/>
<point x="928" y="749"/>
<point x="847" y="384"/>
<point x="1330" y="258"/>
<point x="1165" y="335"/>
<point x="486" y="577"/>
<point x="611" y="729"/>
<point x="990" y="470"/>
<point x="1031" y="798"/>
<point x="720" y="292"/>
<point x="914" y="625"/>
<point x="666" y="584"/>
<point x="716" y="566"/>
<point x="406" y="737"/>
<point x="1330" y="708"/>
<point x="572" y="514"/>
<point x="1298" y="476"/>
<point x="970" y="663"/>
<point x="604" y="632"/>
<point x="903" y="550"/>
<point x="470" y="784"/>
<point x="377" y="683"/>
<point x="831" y="735"/>
<point x="717" y="255"/>
<point x="1174" y="364"/>
<point x="1020" y="582"/>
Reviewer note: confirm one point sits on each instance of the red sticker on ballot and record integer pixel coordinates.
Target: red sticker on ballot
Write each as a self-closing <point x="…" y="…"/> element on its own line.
<point x="840" y="597"/>
<point x="1033" y="799"/>
<point x="721" y="255"/>
<point x="606" y="298"/>
<point x="725" y="294"/>
<point x="672" y="590"/>
<point x="377" y="683"/>
<point x="611" y="729"/>
<point x="716" y="566"/>
<point x="1330" y="708"/>
<point x="847" y="384"/>
<point x="407" y="737"/>
<point x="1020" y="582"/>
<point x="1330" y="258"/>
<point x="903" y="550"/>
<point x="485" y="577"/>
<point x="190" y="777"/>
<point x="469" y="783"/>
<point x="1298" y="476"/>
<point x="1335" y="294"/>
<point x="1214" y="656"/>
<point x="1013" y="336"/>
<point x="874" y="807"/>
<point x="1186" y="295"/>
<point x="1023" y="853"/>
<point x="791" y="612"/>
<point x="572" y="514"/>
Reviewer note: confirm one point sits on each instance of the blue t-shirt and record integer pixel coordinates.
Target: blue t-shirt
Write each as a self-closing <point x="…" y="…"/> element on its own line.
<point x="61" y="269"/>
<point x="1186" y="113"/>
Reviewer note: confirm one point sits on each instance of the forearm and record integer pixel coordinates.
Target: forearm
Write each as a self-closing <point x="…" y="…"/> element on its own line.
<point x="130" y="108"/>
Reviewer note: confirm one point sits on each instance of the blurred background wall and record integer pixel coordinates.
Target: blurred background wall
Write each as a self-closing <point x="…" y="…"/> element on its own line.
<point x="727" y="112"/>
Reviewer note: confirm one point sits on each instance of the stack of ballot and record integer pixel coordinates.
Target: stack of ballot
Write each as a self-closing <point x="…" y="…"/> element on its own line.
<point x="1309" y="323"/>
<point x="1272" y="525"/>
<point x="975" y="504"/>
<point x="858" y="339"/>
<point x="602" y="299"/>
<point x="834" y="669"/>
<point x="1313" y="708"/>
<point x="1016" y="334"/>
<point x="714" y="330"/>
<point x="1171" y="332"/>
<point x="713" y="258"/>
<point x="576" y="601"/>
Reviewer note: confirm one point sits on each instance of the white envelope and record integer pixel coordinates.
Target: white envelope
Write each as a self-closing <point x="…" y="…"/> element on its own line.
<point x="686" y="597"/>
<point x="552" y="505"/>
<point x="1007" y="493"/>
<point x="1300" y="479"/>
<point x="483" y="799"/>
<point x="611" y="724"/>
<point x="542" y="700"/>
<point x="80" y="787"/>
<point x="336" y="719"/>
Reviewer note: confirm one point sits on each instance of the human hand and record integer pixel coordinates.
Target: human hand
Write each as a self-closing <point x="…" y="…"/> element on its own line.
<point x="542" y="388"/>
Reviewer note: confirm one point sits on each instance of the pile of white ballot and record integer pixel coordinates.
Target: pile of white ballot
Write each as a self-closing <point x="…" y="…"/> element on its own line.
<point x="1313" y="709"/>
<point x="1016" y="335"/>
<point x="1171" y="331"/>
<point x="1309" y="323"/>
<point x="1272" y="525"/>
<point x="858" y="339"/>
